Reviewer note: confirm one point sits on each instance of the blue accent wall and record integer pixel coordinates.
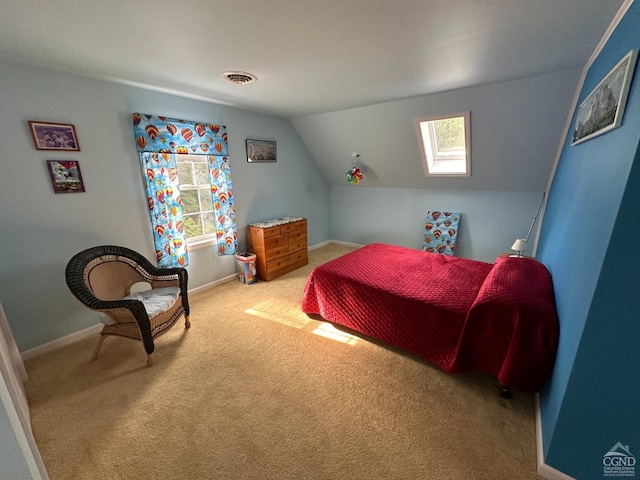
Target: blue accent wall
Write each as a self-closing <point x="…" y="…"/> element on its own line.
<point x="587" y="242"/>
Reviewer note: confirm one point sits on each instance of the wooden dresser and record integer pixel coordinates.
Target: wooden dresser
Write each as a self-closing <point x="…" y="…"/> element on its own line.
<point x="280" y="246"/>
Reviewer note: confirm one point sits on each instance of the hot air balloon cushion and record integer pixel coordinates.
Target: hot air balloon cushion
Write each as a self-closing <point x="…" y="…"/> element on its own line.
<point x="460" y="314"/>
<point x="440" y="232"/>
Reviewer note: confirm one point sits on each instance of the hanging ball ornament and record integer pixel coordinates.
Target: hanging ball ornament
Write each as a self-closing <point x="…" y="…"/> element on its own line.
<point x="354" y="175"/>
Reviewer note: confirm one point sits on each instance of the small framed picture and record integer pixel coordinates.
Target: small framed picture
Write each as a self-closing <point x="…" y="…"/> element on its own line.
<point x="65" y="176"/>
<point x="54" y="136"/>
<point x="261" y="151"/>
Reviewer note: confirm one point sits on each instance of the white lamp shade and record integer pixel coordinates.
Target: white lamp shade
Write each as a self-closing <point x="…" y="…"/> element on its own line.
<point x="519" y="245"/>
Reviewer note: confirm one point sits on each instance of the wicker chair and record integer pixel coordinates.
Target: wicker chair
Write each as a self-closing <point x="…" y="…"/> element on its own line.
<point x="100" y="278"/>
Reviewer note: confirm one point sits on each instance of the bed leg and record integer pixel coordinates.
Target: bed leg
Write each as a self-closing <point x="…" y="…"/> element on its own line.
<point x="505" y="392"/>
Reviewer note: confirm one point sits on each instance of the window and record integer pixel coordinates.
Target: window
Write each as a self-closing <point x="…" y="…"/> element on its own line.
<point x="197" y="205"/>
<point x="445" y="145"/>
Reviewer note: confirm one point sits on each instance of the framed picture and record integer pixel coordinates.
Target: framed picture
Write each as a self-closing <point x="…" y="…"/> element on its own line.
<point x="261" y="151"/>
<point x="65" y="176"/>
<point x="54" y="136"/>
<point x="603" y="109"/>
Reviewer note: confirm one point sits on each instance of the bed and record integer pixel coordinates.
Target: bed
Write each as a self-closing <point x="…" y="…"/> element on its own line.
<point x="460" y="314"/>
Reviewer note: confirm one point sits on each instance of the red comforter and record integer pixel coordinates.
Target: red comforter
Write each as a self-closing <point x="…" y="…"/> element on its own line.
<point x="460" y="314"/>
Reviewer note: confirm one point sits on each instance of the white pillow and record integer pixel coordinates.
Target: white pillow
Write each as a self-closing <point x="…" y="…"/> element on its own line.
<point x="156" y="300"/>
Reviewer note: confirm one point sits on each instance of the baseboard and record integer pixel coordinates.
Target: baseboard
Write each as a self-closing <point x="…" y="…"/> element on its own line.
<point x="235" y="275"/>
<point x="215" y="283"/>
<point x="544" y="470"/>
<point x="550" y="473"/>
<point x="321" y="244"/>
<point x="87" y="332"/>
<point x="61" y="342"/>
<point x="336" y="242"/>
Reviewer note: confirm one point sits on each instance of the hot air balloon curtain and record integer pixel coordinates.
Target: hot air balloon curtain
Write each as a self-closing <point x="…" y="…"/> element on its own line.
<point x="223" y="204"/>
<point x="157" y="138"/>
<point x="440" y="232"/>
<point x="169" y="135"/>
<point x="163" y="193"/>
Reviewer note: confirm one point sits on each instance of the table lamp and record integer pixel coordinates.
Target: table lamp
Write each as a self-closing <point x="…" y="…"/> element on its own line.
<point x="519" y="246"/>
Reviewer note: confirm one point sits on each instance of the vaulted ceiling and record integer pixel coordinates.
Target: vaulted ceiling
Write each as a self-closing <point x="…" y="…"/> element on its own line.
<point x="310" y="57"/>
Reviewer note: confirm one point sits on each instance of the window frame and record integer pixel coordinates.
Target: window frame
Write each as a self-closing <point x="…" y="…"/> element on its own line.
<point x="204" y="240"/>
<point x="427" y="147"/>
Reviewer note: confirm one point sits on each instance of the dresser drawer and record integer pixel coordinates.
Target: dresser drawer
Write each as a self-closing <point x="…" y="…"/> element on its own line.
<point x="271" y="232"/>
<point x="277" y="252"/>
<point x="275" y="242"/>
<point x="299" y="245"/>
<point x="298" y="236"/>
<point x="301" y="257"/>
<point x="294" y="227"/>
<point x="277" y="264"/>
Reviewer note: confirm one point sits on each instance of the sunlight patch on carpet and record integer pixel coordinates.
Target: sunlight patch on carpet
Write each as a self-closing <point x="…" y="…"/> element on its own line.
<point x="329" y="331"/>
<point x="282" y="312"/>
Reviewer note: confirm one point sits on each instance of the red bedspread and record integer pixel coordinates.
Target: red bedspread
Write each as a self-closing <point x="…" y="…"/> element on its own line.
<point x="460" y="314"/>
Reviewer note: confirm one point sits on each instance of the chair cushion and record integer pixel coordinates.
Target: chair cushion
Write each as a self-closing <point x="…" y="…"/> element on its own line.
<point x="156" y="300"/>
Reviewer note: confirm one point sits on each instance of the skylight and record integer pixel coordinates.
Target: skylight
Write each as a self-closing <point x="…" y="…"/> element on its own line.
<point x="445" y="145"/>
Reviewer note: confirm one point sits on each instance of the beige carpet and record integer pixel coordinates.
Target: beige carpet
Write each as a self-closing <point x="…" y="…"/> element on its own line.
<point x="252" y="391"/>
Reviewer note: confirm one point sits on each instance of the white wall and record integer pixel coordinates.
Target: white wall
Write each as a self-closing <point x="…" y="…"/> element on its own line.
<point x="40" y="230"/>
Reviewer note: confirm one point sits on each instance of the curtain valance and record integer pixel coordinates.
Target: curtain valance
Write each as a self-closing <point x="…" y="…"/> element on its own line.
<point x="158" y="134"/>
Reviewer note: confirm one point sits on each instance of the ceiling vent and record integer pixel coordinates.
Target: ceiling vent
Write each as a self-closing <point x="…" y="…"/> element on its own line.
<point x="240" y="78"/>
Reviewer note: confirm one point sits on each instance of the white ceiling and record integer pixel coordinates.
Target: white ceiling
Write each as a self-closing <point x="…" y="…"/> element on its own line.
<point x="310" y="56"/>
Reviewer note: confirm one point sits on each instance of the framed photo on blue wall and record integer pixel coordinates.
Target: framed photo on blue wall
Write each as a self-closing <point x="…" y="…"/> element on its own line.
<point x="261" y="151"/>
<point x="54" y="136"/>
<point x="65" y="176"/>
<point x="603" y="109"/>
